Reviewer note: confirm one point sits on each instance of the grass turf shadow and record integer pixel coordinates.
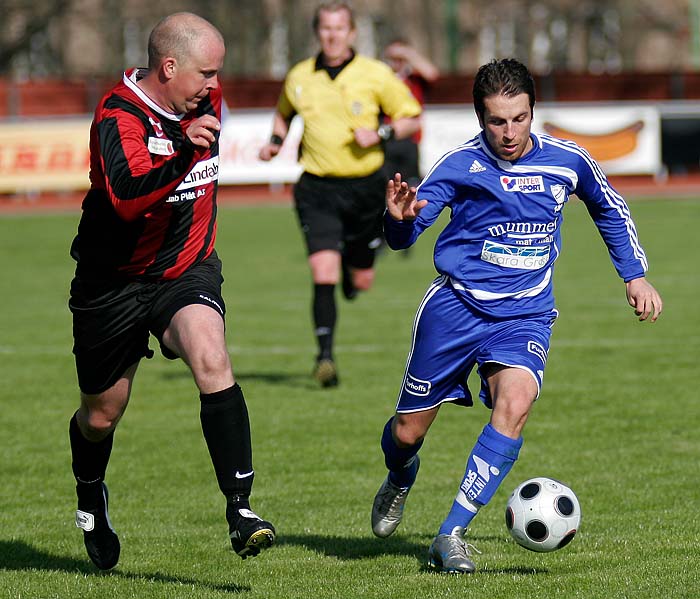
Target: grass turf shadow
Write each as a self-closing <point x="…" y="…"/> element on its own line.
<point x="19" y="556"/>
<point x="353" y="548"/>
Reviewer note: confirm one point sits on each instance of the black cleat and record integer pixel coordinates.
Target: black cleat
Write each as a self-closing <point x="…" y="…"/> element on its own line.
<point x="101" y="542"/>
<point x="249" y="533"/>
<point x="326" y="373"/>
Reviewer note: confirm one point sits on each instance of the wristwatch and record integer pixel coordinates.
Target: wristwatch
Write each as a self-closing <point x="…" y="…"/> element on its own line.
<point x="385" y="132"/>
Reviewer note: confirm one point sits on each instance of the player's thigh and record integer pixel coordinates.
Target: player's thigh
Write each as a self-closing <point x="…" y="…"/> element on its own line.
<point x="188" y="320"/>
<point x="521" y="344"/>
<point x="317" y="206"/>
<point x="444" y="343"/>
<point x="198" y="286"/>
<point x="196" y="334"/>
<point x="110" y="331"/>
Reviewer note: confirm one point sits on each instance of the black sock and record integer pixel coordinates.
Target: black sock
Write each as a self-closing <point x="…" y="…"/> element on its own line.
<point x="324" y="313"/>
<point x="89" y="459"/>
<point x="226" y="429"/>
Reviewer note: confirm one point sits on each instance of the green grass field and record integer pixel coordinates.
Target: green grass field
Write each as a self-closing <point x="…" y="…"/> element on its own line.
<point x="618" y="420"/>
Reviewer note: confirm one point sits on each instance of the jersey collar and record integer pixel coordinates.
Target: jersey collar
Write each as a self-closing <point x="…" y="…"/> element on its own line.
<point x="333" y="72"/>
<point x="130" y="79"/>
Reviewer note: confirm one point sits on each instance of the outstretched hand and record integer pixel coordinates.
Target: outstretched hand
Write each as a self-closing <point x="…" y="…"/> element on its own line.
<point x="645" y="300"/>
<point x="401" y="202"/>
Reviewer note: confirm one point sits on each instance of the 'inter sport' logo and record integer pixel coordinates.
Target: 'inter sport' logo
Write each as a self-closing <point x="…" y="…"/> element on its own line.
<point x="522" y="184"/>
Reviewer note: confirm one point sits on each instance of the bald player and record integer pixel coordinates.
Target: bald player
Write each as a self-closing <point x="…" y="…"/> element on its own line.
<point x="146" y="265"/>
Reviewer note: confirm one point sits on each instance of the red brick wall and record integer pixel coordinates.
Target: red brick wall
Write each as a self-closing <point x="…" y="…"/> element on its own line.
<point x="54" y="97"/>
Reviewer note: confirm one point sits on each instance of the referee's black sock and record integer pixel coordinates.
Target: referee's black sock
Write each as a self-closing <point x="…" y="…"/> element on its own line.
<point x="89" y="459"/>
<point x="226" y="428"/>
<point x="324" y="313"/>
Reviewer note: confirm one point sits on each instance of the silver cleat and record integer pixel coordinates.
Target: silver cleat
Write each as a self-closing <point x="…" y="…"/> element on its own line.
<point x="389" y="502"/>
<point x="451" y="554"/>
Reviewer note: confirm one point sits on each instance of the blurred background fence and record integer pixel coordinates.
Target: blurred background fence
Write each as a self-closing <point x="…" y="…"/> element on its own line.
<point x="58" y="56"/>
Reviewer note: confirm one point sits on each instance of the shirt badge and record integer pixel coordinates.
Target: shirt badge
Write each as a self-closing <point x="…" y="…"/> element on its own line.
<point x="163" y="147"/>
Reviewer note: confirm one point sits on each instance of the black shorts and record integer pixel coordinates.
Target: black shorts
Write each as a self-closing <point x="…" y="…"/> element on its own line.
<point x="342" y="214"/>
<point x="112" y="320"/>
<point x="401" y="156"/>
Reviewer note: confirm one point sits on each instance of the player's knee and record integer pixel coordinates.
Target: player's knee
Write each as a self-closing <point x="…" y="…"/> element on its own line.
<point x="407" y="434"/>
<point x="363" y="279"/>
<point x="96" y="424"/>
<point x="212" y="362"/>
<point x="211" y="368"/>
<point x="510" y="413"/>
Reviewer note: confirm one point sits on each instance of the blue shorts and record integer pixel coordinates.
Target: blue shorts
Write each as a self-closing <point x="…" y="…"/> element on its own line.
<point x="449" y="338"/>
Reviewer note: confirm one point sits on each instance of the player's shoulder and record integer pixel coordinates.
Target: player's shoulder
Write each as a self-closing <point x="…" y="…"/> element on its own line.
<point x="124" y="96"/>
<point x="370" y="64"/>
<point x="471" y="149"/>
<point x="466" y="158"/>
<point x="562" y="150"/>
<point x="303" y="67"/>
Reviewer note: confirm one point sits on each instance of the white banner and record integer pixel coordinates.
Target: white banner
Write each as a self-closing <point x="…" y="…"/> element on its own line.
<point x="242" y="136"/>
<point x="625" y="140"/>
<point x="52" y="154"/>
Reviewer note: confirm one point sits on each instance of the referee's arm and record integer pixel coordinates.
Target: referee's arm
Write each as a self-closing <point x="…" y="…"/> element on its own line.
<point x="399" y="129"/>
<point x="280" y="128"/>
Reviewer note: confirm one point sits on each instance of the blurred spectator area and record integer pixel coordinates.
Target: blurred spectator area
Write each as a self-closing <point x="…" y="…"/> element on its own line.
<point x="678" y="95"/>
<point x="51" y="97"/>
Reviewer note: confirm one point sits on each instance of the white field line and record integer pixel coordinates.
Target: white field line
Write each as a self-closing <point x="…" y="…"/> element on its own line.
<point x="283" y="350"/>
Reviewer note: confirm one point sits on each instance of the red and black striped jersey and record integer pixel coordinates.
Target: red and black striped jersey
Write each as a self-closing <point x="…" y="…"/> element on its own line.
<point x="151" y="209"/>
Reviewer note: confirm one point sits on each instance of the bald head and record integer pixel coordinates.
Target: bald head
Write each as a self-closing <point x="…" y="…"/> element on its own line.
<point x="177" y="35"/>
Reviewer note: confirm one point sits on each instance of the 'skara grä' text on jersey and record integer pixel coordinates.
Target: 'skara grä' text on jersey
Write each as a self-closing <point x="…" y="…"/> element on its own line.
<point x="150" y="212"/>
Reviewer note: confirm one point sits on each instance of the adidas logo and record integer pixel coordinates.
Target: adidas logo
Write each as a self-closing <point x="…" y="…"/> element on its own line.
<point x="476" y="167"/>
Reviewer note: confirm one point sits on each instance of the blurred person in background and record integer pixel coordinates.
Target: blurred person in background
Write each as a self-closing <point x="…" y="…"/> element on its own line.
<point x="146" y="265"/>
<point x="492" y="304"/>
<point x="417" y="72"/>
<point x="339" y="198"/>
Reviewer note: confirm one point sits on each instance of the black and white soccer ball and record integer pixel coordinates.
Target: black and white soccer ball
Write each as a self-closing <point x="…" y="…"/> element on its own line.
<point x="543" y="514"/>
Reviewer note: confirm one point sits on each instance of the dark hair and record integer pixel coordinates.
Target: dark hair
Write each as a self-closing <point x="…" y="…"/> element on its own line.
<point x="507" y="77"/>
<point x="333" y="7"/>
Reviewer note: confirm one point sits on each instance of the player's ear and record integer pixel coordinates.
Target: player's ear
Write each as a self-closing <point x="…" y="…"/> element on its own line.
<point x="169" y="67"/>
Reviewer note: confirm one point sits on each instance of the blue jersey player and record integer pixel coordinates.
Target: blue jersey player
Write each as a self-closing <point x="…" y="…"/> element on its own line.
<point x="492" y="304"/>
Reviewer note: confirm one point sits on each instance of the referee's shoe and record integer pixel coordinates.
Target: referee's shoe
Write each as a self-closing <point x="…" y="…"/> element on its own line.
<point x="249" y="533"/>
<point x="101" y="542"/>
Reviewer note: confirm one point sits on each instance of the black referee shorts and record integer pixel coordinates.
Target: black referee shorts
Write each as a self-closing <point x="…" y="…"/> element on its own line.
<point x="112" y="320"/>
<point x="342" y="214"/>
<point x="401" y="156"/>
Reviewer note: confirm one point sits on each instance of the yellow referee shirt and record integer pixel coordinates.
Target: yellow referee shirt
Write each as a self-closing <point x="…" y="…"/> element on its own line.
<point x="333" y="108"/>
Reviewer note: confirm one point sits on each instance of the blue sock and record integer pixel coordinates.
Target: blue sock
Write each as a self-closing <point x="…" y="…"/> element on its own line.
<point x="399" y="460"/>
<point x="489" y="462"/>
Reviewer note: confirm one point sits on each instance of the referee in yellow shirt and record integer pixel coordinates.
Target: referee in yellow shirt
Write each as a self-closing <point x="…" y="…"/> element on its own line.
<point x="339" y="198"/>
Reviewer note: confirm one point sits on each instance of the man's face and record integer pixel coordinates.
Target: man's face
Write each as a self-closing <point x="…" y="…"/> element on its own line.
<point x="195" y="75"/>
<point x="336" y="35"/>
<point x="506" y="122"/>
<point x="394" y="57"/>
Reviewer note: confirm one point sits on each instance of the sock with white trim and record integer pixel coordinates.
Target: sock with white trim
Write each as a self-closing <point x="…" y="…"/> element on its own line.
<point x="489" y="462"/>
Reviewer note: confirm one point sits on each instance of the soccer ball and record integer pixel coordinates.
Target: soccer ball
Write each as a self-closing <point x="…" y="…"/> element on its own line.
<point x="543" y="514"/>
